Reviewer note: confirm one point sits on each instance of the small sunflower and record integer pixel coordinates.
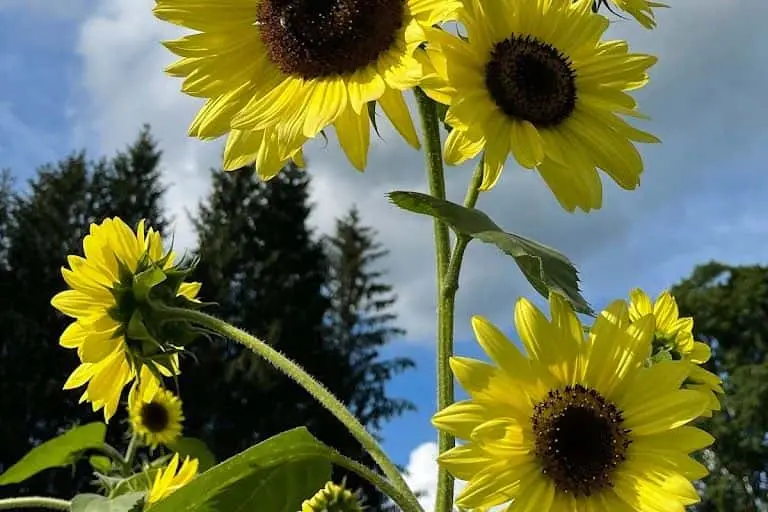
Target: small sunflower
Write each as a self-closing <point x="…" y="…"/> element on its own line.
<point x="673" y="339"/>
<point x="277" y="72"/>
<point x="100" y="299"/>
<point x="573" y="424"/>
<point x="534" y="79"/>
<point x="169" y="480"/>
<point x="641" y="10"/>
<point x="157" y="421"/>
<point x="333" y="498"/>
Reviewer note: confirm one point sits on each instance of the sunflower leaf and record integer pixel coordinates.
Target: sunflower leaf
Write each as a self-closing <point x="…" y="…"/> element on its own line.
<point x="60" y="451"/>
<point x="275" y="475"/>
<point x="95" y="503"/>
<point x="196" y="449"/>
<point x="100" y="463"/>
<point x="545" y="268"/>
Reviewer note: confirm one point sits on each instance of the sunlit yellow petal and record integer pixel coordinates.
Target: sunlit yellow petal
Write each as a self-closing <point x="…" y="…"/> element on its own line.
<point x="600" y="428"/>
<point x="565" y="126"/>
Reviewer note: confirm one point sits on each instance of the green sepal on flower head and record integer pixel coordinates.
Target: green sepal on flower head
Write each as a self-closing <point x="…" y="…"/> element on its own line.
<point x="143" y="300"/>
<point x="119" y="296"/>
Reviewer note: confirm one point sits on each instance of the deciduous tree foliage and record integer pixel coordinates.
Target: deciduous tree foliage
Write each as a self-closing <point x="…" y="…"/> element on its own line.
<point x="730" y="310"/>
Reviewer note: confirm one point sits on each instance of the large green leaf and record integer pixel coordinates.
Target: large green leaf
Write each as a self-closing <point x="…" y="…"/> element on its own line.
<point x="545" y="268"/>
<point x="58" y="452"/>
<point x="96" y="503"/>
<point x="275" y="475"/>
<point x="100" y="463"/>
<point x="195" y="448"/>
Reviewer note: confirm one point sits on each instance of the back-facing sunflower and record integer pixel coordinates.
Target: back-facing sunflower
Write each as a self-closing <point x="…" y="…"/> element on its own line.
<point x="277" y="72"/>
<point x="641" y="10"/>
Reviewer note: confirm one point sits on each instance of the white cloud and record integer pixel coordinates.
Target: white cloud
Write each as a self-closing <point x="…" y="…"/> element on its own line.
<point x="421" y="475"/>
<point x="704" y="116"/>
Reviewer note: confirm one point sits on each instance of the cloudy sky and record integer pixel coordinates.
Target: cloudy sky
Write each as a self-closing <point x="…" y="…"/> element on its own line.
<point x="88" y="73"/>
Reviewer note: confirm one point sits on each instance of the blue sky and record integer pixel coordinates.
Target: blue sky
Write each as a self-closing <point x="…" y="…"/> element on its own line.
<point x="88" y="74"/>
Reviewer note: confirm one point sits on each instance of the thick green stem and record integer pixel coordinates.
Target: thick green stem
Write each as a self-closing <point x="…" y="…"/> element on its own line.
<point x="470" y="200"/>
<point x="130" y="453"/>
<point x="298" y="374"/>
<point x="405" y="501"/>
<point x="445" y="395"/>
<point x="34" y="502"/>
<point x="451" y="281"/>
<point x="435" y="176"/>
<point x="111" y="452"/>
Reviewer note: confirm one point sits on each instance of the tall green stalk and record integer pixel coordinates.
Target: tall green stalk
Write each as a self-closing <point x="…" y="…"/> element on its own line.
<point x="36" y="502"/>
<point x="313" y="387"/>
<point x="445" y="305"/>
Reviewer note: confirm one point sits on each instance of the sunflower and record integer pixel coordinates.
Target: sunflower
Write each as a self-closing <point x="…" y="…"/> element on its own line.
<point x="533" y="78"/>
<point x="333" y="498"/>
<point x="99" y="295"/>
<point x="168" y="480"/>
<point x="673" y="339"/>
<point x="277" y="72"/>
<point x="641" y="10"/>
<point x="157" y="421"/>
<point x="573" y="424"/>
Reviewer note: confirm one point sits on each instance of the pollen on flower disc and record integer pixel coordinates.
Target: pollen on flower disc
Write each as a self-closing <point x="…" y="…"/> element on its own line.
<point x="327" y="38"/>
<point x="531" y="80"/>
<point x="579" y="439"/>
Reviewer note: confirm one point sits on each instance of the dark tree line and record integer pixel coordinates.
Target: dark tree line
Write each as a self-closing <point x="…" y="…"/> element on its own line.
<point x="322" y="301"/>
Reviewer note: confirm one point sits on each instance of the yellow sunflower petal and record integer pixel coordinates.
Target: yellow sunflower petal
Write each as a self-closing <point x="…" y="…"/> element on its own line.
<point x="664" y="412"/>
<point x="526" y="144"/>
<point x="459" y="147"/>
<point x="461" y="418"/>
<point x="327" y="102"/>
<point x="500" y="349"/>
<point x="464" y="461"/>
<point x="353" y="131"/>
<point x="394" y="106"/>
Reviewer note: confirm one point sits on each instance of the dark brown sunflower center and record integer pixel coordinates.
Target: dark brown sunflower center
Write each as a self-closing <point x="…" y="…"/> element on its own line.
<point x="531" y="80"/>
<point x="322" y="38"/>
<point x="154" y="417"/>
<point x="579" y="439"/>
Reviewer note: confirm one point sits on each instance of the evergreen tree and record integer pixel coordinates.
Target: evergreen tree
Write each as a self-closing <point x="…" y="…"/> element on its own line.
<point x="6" y="204"/>
<point x="360" y="322"/>
<point x="129" y="185"/>
<point x="730" y="310"/>
<point x="44" y="227"/>
<point x="39" y="230"/>
<point x="360" y="319"/>
<point x="259" y="262"/>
